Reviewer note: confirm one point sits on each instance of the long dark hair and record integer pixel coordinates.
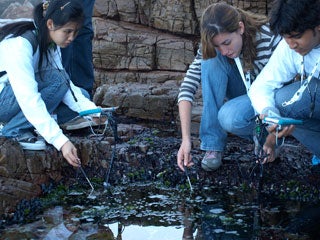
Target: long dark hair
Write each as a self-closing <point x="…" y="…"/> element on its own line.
<point x="60" y="11"/>
<point x="224" y="18"/>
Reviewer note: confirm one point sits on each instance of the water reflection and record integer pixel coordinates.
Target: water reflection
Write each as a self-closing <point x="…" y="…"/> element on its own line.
<point x="149" y="212"/>
<point x="54" y="216"/>
<point x="58" y="232"/>
<point x="136" y="232"/>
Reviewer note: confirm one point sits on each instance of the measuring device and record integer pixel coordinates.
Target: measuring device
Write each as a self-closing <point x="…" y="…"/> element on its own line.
<point x="103" y="111"/>
<point x="282" y="121"/>
<point x="111" y="121"/>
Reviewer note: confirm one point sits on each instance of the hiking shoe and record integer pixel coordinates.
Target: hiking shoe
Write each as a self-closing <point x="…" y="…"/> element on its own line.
<point x="28" y="141"/>
<point x="211" y="161"/>
<point x="102" y="120"/>
<point x="78" y="123"/>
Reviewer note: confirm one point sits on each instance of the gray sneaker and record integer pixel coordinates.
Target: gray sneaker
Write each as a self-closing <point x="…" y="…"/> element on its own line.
<point x="78" y="123"/>
<point x="211" y="161"/>
<point x="29" y="141"/>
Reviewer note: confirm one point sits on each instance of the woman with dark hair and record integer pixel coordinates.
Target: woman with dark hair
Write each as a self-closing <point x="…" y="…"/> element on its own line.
<point x="235" y="46"/>
<point x="33" y="82"/>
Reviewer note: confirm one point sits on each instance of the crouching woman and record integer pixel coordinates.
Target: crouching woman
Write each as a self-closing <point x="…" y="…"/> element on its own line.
<point x="33" y="82"/>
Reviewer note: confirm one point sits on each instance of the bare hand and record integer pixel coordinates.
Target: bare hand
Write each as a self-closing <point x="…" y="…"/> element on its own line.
<point x="269" y="146"/>
<point x="284" y="132"/>
<point x="184" y="157"/>
<point x="69" y="152"/>
<point x="269" y="149"/>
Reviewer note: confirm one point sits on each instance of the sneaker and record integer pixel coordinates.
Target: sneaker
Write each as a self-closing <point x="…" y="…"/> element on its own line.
<point x="315" y="160"/>
<point x="28" y="141"/>
<point x="211" y="161"/>
<point x="78" y="123"/>
<point x="99" y="121"/>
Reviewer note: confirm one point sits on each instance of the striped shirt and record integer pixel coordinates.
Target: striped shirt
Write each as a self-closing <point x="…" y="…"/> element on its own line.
<point x="266" y="43"/>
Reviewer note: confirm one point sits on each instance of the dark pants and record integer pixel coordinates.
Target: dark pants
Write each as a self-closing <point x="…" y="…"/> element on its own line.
<point x="77" y="58"/>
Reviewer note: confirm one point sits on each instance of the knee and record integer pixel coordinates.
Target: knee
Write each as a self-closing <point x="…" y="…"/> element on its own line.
<point x="233" y="119"/>
<point x="53" y="77"/>
<point x="225" y="119"/>
<point x="52" y="84"/>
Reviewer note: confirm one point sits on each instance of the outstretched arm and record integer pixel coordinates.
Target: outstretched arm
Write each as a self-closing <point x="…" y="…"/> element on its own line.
<point x="184" y="157"/>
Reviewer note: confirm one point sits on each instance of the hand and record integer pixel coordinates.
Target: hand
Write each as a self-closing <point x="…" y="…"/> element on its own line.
<point x="269" y="149"/>
<point x="284" y="132"/>
<point x="184" y="157"/>
<point x="270" y="145"/>
<point x="69" y="152"/>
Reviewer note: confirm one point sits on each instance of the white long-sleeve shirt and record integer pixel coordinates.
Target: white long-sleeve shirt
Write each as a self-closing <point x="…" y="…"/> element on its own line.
<point x="282" y="67"/>
<point x="18" y="60"/>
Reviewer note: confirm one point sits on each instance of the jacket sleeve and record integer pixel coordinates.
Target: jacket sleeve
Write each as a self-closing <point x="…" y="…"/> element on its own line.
<point x="281" y="68"/>
<point x="82" y="102"/>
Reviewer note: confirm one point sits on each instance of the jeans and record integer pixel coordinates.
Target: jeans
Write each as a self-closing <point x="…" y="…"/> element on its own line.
<point x="52" y="86"/>
<point x="64" y="113"/>
<point x="308" y="133"/>
<point x="237" y="116"/>
<point x="221" y="81"/>
<point x="77" y="57"/>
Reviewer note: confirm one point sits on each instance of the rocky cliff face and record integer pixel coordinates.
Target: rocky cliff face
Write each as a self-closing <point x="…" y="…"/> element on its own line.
<point x="142" y="49"/>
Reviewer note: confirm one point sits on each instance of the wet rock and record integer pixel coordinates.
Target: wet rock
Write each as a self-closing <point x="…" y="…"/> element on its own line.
<point x="12" y="191"/>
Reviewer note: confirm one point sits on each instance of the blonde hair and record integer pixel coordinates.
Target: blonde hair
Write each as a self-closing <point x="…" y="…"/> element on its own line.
<point x="223" y="18"/>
